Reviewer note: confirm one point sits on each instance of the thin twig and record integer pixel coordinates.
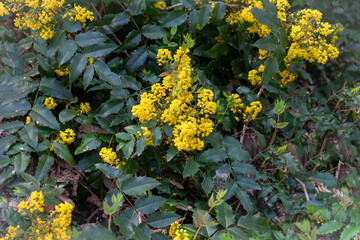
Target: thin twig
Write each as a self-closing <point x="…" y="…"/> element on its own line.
<point x="243" y="134"/>
<point x="338" y="170"/>
<point x="97" y="12"/>
<point x="260" y="91"/>
<point x="304" y="188"/>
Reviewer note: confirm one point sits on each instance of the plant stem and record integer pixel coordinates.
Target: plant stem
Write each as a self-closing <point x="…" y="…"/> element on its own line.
<point x="198" y="230"/>
<point x="109" y="222"/>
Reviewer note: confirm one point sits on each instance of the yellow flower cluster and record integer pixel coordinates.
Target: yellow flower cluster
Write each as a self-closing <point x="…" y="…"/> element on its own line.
<point x="160" y="5"/>
<point x="44" y="227"/>
<point x="39" y="15"/>
<point x="109" y="156"/>
<point x="28" y="120"/>
<point x="79" y="13"/>
<point x="176" y="233"/>
<point x="84" y="108"/>
<point x="50" y="103"/>
<point x="248" y="113"/>
<point x="172" y="102"/>
<point x="66" y="137"/>
<point x="11" y="233"/>
<point x="253" y="76"/>
<point x="244" y="15"/>
<point x="62" y="72"/>
<point x="36" y="203"/>
<point x="308" y="38"/>
<point x="285" y="77"/>
<point x="163" y="56"/>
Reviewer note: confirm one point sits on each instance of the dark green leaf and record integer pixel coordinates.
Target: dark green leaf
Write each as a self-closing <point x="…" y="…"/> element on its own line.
<point x="88" y="76"/>
<point x="188" y="3"/>
<point x="124" y="136"/>
<point x="99" y="50"/>
<point x="191" y="167"/>
<point x="63" y="152"/>
<point x="95" y="233"/>
<point x="248" y="183"/>
<point x="112" y="106"/>
<point x="122" y="228"/>
<point x="193" y="19"/>
<point x="77" y="65"/>
<point x="245" y="201"/>
<point x="152" y="31"/>
<point x="16" y="108"/>
<point x="72" y="26"/>
<point x="53" y="88"/>
<point x="162" y="219"/>
<point x="44" y="165"/>
<point x="137" y="59"/>
<point x="108" y="170"/>
<point x="175" y="18"/>
<point x="267" y="43"/>
<point x="90" y="38"/>
<point x="67" y="115"/>
<point x="243" y="168"/>
<point x="329" y="227"/>
<point x="29" y="134"/>
<point x="205" y="13"/>
<point x="207" y="185"/>
<point x="171" y="153"/>
<point x="89" y="142"/>
<point x="150" y="204"/>
<point x="132" y="40"/>
<point x="140" y="145"/>
<point x="106" y="74"/>
<point x="325" y="178"/>
<point x="42" y="115"/>
<point x="226" y="216"/>
<point x="219" y="12"/>
<point x="21" y="161"/>
<point x="213" y="155"/>
<point x="271" y="68"/>
<point x="12" y="126"/>
<point x="66" y="52"/>
<point x="349" y="232"/>
<point x="121" y="19"/>
<point x="137" y="185"/>
<point x="156" y="134"/>
<point x="128" y="149"/>
<point x="267" y="18"/>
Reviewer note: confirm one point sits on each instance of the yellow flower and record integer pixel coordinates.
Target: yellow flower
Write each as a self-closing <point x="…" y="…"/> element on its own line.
<point x="36" y="203"/>
<point x="62" y="72"/>
<point x="173" y="227"/>
<point x="109" y="156"/>
<point x="79" y="13"/>
<point x="84" y="108"/>
<point x="28" y="120"/>
<point x="252" y="111"/>
<point x="50" y="103"/>
<point x="67" y="137"/>
<point x="159" y="4"/>
<point x="163" y="56"/>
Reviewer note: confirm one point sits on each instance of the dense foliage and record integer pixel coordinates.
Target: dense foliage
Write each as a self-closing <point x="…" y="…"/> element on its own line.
<point x="181" y="119"/>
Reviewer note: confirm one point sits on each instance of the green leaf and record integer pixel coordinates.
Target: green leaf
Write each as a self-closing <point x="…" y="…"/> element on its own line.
<point x="132" y="40"/>
<point x="175" y="18"/>
<point x="122" y="228"/>
<point x="128" y="149"/>
<point x="248" y="183"/>
<point x="42" y="115"/>
<point x="13" y="218"/>
<point x="267" y="43"/>
<point x="150" y="204"/>
<point x="205" y="13"/>
<point x="219" y="12"/>
<point x="349" y="232"/>
<point x="72" y="26"/>
<point x="95" y="233"/>
<point x="137" y="185"/>
<point x="271" y="68"/>
<point x="66" y="52"/>
<point x="207" y="185"/>
<point x="257" y="223"/>
<point x="124" y="136"/>
<point x="237" y="154"/>
<point x="137" y="59"/>
<point x="106" y="74"/>
<point x="88" y="76"/>
<point x="67" y="115"/>
<point x="4" y="161"/>
<point x="12" y="127"/>
<point x="25" y="43"/>
<point x="99" y="50"/>
<point x="121" y="19"/>
<point x="226" y="216"/>
<point x="171" y="153"/>
<point x="325" y="178"/>
<point x="245" y="201"/>
<point x="243" y="168"/>
<point x="77" y="65"/>
<point x="329" y="227"/>
<point x="63" y="152"/>
<point x="89" y="142"/>
<point x="191" y="167"/>
<point x="21" y="161"/>
<point x="140" y="233"/>
<point x="133" y="129"/>
<point x="152" y="31"/>
<point x="53" y="88"/>
<point x="267" y="18"/>
<point x="213" y="155"/>
<point x="16" y="108"/>
<point x="112" y="106"/>
<point x="29" y="134"/>
<point x="193" y="19"/>
<point x="44" y="165"/>
<point x="156" y="134"/>
<point x="140" y="145"/>
<point x="6" y="142"/>
<point x="238" y="233"/>
<point x="90" y="38"/>
<point x="108" y="170"/>
<point x="162" y="219"/>
<point x="188" y="3"/>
